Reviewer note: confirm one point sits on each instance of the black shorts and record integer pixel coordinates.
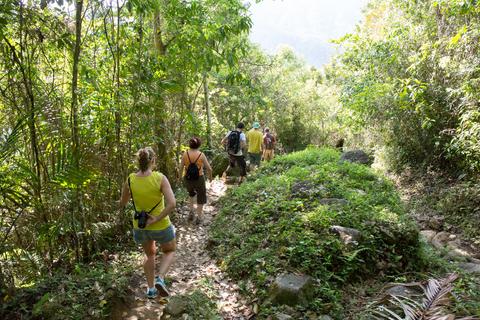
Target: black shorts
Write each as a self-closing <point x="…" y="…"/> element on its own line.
<point x="197" y="187"/>
<point x="240" y="161"/>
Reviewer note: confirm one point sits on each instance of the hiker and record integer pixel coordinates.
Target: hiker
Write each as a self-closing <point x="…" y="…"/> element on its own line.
<point x="149" y="191"/>
<point x="339" y="144"/>
<point x="254" y="141"/>
<point x="192" y="164"/>
<point x="268" y="145"/>
<point x="235" y="141"/>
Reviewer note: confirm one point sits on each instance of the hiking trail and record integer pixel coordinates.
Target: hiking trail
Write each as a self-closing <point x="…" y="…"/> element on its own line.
<point x="192" y="266"/>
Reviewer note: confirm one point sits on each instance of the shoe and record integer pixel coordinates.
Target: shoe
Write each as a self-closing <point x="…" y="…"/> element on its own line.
<point x="161" y="287"/>
<point x="152" y="293"/>
<point x="198" y="220"/>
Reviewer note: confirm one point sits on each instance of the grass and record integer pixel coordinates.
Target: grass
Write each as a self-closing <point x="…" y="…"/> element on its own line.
<point x="277" y="223"/>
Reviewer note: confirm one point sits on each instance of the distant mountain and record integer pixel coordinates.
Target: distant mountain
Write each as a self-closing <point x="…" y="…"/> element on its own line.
<point x="305" y="25"/>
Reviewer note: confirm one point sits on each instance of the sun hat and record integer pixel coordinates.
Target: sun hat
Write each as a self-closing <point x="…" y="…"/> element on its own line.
<point x="256" y="125"/>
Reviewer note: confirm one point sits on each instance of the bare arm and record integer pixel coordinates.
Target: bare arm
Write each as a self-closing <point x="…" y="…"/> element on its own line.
<point x="169" y="199"/>
<point x="125" y="195"/>
<point x="207" y="166"/>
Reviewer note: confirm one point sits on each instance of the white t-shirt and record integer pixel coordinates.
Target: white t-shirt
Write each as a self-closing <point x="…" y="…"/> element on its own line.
<point x="242" y="138"/>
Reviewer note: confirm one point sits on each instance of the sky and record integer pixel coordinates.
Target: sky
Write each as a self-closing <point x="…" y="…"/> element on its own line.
<point x="305" y="25"/>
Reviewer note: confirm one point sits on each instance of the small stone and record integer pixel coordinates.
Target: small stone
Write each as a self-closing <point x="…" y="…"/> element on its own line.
<point x="347" y="235"/>
<point x="469" y="267"/>
<point x="281" y="316"/>
<point x="177" y="305"/>
<point x="292" y="289"/>
<point x="325" y="317"/>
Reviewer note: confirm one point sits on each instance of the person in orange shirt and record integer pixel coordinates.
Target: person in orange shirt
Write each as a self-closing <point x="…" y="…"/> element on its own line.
<point x="192" y="164"/>
<point x="268" y="145"/>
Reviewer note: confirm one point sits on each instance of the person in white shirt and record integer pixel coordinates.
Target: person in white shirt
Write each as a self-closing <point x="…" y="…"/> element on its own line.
<point x="235" y="141"/>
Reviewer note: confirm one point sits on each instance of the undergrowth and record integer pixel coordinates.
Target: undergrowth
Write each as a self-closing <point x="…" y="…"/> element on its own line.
<point x="87" y="292"/>
<point x="277" y="223"/>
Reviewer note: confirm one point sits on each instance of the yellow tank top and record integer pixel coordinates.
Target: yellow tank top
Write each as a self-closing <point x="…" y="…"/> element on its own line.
<point x="146" y="193"/>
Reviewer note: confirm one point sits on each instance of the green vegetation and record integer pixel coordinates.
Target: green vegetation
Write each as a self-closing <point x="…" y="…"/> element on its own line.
<point x="409" y="80"/>
<point x="86" y="292"/>
<point x="277" y="223"/>
<point x="84" y="84"/>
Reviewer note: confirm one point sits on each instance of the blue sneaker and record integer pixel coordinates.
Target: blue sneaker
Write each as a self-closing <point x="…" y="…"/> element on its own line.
<point x="152" y="293"/>
<point x="161" y="287"/>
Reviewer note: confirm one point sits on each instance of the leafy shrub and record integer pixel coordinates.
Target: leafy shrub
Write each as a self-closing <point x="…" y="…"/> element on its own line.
<point x="88" y="292"/>
<point x="273" y="229"/>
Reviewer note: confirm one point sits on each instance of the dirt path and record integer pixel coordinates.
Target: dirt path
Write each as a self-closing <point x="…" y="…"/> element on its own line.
<point x="193" y="266"/>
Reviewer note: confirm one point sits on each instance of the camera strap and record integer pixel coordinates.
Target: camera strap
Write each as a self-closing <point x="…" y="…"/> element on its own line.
<point x="133" y="201"/>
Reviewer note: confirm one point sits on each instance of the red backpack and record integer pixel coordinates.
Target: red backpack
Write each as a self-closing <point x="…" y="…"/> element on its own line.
<point x="268" y="141"/>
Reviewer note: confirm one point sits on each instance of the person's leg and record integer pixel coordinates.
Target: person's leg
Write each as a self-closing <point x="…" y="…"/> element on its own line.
<point x="150" y="249"/>
<point x="191" y="204"/>
<point x="168" y="257"/>
<point x="258" y="156"/>
<point x="243" y="168"/>
<point x="251" y="157"/>
<point x="268" y="155"/>
<point x="231" y="164"/>
<point x="201" y="197"/>
<point x="191" y="198"/>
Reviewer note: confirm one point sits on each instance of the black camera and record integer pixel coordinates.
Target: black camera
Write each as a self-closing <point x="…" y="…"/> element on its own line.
<point x="142" y="218"/>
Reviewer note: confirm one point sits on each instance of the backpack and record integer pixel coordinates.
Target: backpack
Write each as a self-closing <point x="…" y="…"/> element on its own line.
<point x="268" y="141"/>
<point x="192" y="173"/>
<point x="233" y="143"/>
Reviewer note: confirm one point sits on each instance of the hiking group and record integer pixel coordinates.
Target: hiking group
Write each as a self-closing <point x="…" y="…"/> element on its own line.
<point x="153" y="198"/>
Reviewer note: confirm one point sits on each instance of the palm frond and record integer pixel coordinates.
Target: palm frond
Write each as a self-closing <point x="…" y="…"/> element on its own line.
<point x="436" y="298"/>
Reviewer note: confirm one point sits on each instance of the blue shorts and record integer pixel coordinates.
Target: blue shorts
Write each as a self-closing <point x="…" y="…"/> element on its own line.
<point x="161" y="236"/>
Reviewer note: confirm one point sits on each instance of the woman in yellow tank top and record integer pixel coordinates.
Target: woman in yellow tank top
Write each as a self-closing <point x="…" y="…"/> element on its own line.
<point x="149" y="191"/>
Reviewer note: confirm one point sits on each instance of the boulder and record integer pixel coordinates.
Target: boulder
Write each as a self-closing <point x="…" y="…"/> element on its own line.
<point x="436" y="222"/>
<point x="400" y="290"/>
<point x="292" y="289"/>
<point x="356" y="156"/>
<point x="347" y="235"/>
<point x="177" y="305"/>
<point x="306" y="189"/>
<point x="428" y="235"/>
<point x="470" y="267"/>
<point x="441" y="239"/>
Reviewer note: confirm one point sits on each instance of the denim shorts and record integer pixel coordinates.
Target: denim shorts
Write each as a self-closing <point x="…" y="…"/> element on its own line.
<point x="161" y="236"/>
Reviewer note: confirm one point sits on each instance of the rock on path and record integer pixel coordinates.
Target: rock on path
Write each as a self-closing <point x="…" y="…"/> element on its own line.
<point x="192" y="266"/>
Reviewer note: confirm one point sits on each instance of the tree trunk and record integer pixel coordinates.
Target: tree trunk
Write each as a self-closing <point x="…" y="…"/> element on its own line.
<point x="164" y="163"/>
<point x="209" y="114"/>
<point x="74" y="119"/>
